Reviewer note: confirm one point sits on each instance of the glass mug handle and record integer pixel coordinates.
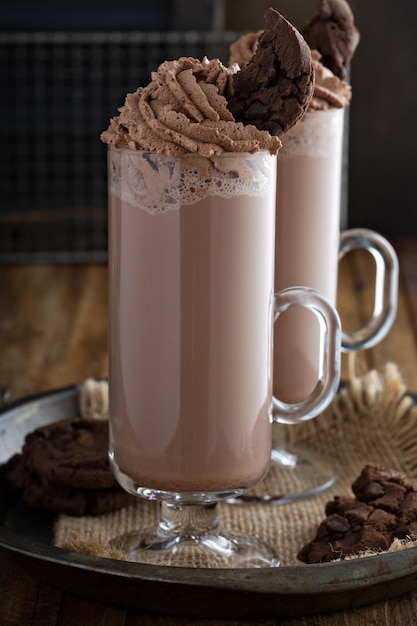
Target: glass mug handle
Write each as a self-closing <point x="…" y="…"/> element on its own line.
<point x="328" y="356"/>
<point x="386" y="287"/>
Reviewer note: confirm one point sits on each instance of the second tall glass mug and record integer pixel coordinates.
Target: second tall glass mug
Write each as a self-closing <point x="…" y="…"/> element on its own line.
<point x="309" y="245"/>
<point x="192" y="306"/>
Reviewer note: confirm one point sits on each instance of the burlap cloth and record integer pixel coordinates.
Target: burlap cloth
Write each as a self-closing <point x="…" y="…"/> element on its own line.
<point x="371" y="420"/>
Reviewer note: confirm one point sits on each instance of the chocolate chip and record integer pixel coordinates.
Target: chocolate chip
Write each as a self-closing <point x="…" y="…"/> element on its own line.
<point x="374" y="490"/>
<point x="337" y="524"/>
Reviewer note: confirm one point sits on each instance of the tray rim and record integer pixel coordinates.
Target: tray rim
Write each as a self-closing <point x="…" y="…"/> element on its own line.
<point x="327" y="582"/>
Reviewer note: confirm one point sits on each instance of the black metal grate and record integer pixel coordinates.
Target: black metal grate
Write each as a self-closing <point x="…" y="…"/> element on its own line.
<point x="58" y="92"/>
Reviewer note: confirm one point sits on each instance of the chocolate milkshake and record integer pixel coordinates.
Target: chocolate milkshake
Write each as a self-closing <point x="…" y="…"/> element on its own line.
<point x="307" y="240"/>
<point x="191" y="315"/>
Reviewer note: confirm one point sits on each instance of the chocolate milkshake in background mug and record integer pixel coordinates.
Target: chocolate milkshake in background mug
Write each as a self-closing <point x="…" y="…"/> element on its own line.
<point x="192" y="306"/>
<point x="309" y="245"/>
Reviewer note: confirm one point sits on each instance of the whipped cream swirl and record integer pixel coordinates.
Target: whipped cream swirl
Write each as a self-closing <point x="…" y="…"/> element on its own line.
<point x="184" y="109"/>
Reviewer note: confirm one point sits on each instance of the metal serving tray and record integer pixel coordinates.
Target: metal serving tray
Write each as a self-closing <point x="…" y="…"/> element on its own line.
<point x="200" y="593"/>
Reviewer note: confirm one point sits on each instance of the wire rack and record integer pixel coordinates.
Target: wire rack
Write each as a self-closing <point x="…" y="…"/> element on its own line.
<point x="58" y="92"/>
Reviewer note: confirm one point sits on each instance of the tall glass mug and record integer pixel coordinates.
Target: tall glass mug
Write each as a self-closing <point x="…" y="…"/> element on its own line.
<point x="308" y="246"/>
<point x="192" y="306"/>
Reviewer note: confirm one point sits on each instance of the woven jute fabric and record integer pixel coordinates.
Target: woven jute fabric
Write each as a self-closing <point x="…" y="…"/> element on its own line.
<point x="373" y="419"/>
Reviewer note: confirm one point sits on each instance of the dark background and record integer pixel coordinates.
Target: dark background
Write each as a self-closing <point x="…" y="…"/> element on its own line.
<point x="65" y="68"/>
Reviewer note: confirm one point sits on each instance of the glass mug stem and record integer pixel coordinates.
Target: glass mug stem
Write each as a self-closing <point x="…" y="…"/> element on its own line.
<point x="386" y="287"/>
<point x="329" y="355"/>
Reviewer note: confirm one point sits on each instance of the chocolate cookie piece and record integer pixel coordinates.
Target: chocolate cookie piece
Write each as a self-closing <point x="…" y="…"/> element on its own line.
<point x="338" y="536"/>
<point x="381" y="487"/>
<point x="273" y="90"/>
<point x="333" y="33"/>
<point x="385" y="508"/>
<point x="37" y="492"/>
<point x="71" y="452"/>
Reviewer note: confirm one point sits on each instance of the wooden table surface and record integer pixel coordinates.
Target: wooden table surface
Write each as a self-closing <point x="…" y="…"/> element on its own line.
<point x="53" y="333"/>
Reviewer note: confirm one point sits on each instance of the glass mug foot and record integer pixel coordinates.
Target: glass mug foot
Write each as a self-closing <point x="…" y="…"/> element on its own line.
<point x="298" y="473"/>
<point x="190" y="536"/>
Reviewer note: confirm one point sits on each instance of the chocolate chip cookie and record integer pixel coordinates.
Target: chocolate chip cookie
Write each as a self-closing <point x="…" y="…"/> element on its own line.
<point x="273" y="90"/>
<point x="333" y="33"/>
<point x="71" y="452"/>
<point x="64" y="468"/>
<point x="37" y="492"/>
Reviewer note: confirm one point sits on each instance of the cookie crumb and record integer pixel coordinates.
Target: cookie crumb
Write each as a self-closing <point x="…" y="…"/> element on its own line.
<point x="94" y="546"/>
